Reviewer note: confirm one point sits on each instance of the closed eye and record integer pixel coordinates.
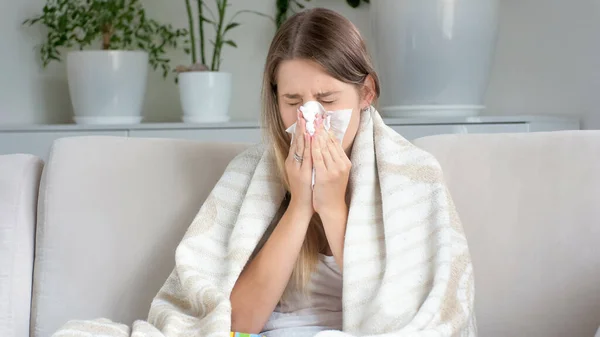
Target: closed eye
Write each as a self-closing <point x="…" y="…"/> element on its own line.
<point x="328" y="97"/>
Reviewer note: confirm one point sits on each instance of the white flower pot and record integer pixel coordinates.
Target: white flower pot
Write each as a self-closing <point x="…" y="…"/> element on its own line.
<point x="107" y="87"/>
<point x="434" y="56"/>
<point x="205" y="96"/>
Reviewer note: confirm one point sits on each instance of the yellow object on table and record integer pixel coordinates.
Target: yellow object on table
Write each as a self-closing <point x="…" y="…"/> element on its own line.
<point x="239" y="334"/>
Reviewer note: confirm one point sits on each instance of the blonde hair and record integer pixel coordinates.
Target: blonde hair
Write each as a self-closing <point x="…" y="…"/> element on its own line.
<point x="332" y="41"/>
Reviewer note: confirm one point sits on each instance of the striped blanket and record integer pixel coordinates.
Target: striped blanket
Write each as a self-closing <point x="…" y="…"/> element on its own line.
<point x="407" y="268"/>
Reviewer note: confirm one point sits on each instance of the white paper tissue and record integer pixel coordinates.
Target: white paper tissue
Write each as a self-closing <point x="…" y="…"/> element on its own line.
<point x="335" y="121"/>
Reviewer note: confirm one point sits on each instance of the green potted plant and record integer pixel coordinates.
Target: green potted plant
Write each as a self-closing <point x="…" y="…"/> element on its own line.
<point x="107" y="81"/>
<point x="205" y="90"/>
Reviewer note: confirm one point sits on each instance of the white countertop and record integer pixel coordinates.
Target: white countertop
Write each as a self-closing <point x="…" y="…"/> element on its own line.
<point x="256" y="124"/>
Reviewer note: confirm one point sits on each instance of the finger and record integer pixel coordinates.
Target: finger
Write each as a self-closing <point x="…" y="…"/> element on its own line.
<point x="333" y="150"/>
<point x="301" y="122"/>
<point x="317" y="156"/>
<point x="343" y="157"/>
<point x="307" y="161"/>
<point x="327" y="156"/>
<point x="335" y="147"/>
<point x="299" y="148"/>
<point x="292" y="146"/>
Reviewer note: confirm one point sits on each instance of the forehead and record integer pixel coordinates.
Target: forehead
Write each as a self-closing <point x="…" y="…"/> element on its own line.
<point x="303" y="77"/>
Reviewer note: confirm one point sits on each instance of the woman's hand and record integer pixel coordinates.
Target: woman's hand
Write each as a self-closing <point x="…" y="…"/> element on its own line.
<point x="329" y="195"/>
<point x="299" y="166"/>
<point x="332" y="173"/>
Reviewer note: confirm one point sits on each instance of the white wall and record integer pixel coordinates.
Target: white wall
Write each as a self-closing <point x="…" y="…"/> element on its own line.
<point x="546" y="62"/>
<point x="27" y="93"/>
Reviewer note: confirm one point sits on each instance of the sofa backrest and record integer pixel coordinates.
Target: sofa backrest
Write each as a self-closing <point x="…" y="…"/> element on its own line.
<point x="530" y="206"/>
<point x="19" y="184"/>
<point x="111" y="213"/>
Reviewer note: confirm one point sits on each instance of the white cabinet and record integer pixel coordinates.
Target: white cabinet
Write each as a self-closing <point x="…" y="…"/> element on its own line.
<point x="37" y="139"/>
<point x="243" y="135"/>
<point x="416" y="131"/>
<point x="493" y="128"/>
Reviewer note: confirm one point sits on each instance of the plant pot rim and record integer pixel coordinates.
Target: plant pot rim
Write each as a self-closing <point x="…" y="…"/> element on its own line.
<point x="118" y="51"/>
<point x="205" y="72"/>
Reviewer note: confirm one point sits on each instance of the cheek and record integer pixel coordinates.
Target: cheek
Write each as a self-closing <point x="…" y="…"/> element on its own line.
<point x="289" y="115"/>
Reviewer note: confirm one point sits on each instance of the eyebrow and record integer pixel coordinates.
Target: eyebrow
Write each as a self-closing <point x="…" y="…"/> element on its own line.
<point x="292" y="96"/>
<point x="319" y="95"/>
<point x="327" y="94"/>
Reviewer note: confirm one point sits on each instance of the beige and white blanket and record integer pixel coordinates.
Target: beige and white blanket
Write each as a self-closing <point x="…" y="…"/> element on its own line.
<point x="407" y="268"/>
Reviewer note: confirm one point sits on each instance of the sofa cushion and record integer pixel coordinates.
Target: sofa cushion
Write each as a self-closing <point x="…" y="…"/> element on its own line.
<point x="19" y="184"/>
<point x="530" y="206"/>
<point x="111" y="215"/>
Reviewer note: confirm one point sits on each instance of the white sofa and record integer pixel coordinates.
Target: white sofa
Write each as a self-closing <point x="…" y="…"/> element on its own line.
<point x="19" y="182"/>
<point x="112" y="210"/>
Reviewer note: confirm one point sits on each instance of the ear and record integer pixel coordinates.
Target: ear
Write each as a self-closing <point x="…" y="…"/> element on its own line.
<point x="367" y="92"/>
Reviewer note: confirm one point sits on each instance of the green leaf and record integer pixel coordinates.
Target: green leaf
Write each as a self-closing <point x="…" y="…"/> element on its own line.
<point x="353" y="3"/>
<point x="81" y="23"/>
<point x="231" y="43"/>
<point x="231" y="26"/>
<point x="252" y="12"/>
<point x="205" y="19"/>
<point x="32" y="22"/>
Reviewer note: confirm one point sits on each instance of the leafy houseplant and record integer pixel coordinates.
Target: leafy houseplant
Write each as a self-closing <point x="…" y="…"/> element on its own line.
<point x="285" y="7"/>
<point x="205" y="91"/>
<point x="222" y="27"/>
<point x="117" y="24"/>
<point x="116" y="42"/>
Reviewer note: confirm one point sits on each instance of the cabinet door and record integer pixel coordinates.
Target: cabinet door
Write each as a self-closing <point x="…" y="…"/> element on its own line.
<point x="234" y="135"/>
<point x="39" y="143"/>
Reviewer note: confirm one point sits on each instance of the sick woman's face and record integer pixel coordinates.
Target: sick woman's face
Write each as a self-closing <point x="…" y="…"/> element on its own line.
<point x="300" y="81"/>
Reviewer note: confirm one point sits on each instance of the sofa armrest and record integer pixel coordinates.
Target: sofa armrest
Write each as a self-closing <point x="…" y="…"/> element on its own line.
<point x="19" y="184"/>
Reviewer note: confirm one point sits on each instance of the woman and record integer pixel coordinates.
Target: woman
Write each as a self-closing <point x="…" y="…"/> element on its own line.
<point x="293" y="285"/>
<point x="266" y="252"/>
<point x="317" y="55"/>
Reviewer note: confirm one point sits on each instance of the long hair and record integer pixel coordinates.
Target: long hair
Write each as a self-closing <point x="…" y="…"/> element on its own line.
<point x="333" y="42"/>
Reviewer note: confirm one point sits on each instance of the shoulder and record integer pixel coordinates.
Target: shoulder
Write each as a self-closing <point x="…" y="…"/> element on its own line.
<point x="404" y="154"/>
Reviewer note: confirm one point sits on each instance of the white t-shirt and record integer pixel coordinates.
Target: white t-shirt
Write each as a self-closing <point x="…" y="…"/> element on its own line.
<point x="321" y="309"/>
